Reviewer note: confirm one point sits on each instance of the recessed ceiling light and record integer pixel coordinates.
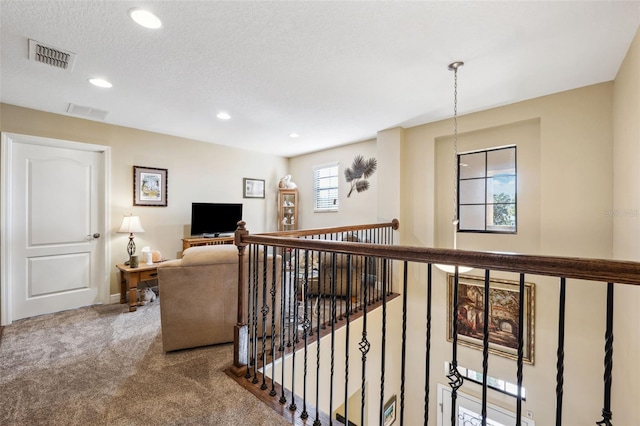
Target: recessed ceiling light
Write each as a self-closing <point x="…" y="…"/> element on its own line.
<point x="293" y="135"/>
<point x="100" y="82"/>
<point x="145" y="18"/>
<point x="223" y="116"/>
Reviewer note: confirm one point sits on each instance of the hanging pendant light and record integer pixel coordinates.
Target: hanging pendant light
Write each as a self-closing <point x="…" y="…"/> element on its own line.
<point x="452" y="268"/>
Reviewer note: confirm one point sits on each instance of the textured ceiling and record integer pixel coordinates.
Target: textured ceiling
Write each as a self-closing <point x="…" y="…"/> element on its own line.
<point x="333" y="72"/>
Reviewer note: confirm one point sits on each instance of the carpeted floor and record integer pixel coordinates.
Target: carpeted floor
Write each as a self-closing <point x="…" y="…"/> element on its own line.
<point x="101" y="365"/>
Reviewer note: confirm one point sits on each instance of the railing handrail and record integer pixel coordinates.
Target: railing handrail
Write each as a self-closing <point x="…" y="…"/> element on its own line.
<point x="592" y="269"/>
<point x="394" y="224"/>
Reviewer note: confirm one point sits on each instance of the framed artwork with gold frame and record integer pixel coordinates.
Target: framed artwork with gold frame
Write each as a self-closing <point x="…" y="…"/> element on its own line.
<point x="504" y="312"/>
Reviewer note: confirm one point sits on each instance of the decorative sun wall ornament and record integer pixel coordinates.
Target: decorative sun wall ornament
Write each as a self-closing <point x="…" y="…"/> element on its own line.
<point x="359" y="172"/>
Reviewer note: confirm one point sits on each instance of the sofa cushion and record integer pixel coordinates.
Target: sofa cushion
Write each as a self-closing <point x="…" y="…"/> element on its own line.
<point x="207" y="255"/>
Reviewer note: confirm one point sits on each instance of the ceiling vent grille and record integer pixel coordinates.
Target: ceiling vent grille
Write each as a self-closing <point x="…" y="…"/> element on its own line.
<point x="87" y="112"/>
<point x="50" y="55"/>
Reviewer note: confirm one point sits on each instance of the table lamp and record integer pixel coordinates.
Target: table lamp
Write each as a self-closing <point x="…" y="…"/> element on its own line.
<point x="130" y="224"/>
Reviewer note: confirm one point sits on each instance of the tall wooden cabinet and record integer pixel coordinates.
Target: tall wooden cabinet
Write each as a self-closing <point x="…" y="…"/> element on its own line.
<point x="287" y="209"/>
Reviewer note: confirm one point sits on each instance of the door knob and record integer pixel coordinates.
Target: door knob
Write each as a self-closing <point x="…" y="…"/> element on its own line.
<point x="96" y="235"/>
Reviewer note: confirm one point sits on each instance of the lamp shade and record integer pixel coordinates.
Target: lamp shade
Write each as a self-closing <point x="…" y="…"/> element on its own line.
<point x="131" y="224"/>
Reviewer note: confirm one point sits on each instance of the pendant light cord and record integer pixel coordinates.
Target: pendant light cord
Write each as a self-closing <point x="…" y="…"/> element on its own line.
<point x="454" y="67"/>
<point x="455" y="146"/>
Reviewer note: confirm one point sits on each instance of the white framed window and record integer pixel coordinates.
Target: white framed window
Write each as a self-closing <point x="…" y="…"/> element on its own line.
<point x="487" y="189"/>
<point x="325" y="188"/>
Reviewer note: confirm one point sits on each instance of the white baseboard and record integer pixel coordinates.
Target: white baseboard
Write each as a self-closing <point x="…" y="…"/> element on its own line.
<point x="114" y="298"/>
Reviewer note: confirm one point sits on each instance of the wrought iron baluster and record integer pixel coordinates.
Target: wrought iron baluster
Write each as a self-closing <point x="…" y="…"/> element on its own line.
<point x="255" y="261"/>
<point x="520" y="351"/>
<point x="455" y="379"/>
<point x="485" y="347"/>
<point x="387" y="287"/>
<point x="292" y="276"/>
<point x="383" y="342"/>
<point x="379" y="280"/>
<point x="346" y="351"/>
<point x="608" y="360"/>
<point x="364" y="347"/>
<point x="322" y="285"/>
<point x="265" y="312"/>
<point x="333" y="329"/>
<point x="560" y="352"/>
<point x="283" y="299"/>
<point x="427" y="363"/>
<point x="274" y="311"/>
<point x="284" y="322"/>
<point x="294" y="284"/>
<point x="403" y="367"/>
<point x="305" y="330"/>
<point x="317" y="422"/>
<point x="309" y="268"/>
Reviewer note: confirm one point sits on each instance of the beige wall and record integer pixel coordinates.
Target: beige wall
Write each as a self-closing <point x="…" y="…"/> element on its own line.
<point x="389" y="148"/>
<point x="564" y="144"/>
<point x="526" y="136"/>
<point x="357" y="209"/>
<point x="572" y="185"/>
<point x="197" y="171"/>
<point x="626" y="235"/>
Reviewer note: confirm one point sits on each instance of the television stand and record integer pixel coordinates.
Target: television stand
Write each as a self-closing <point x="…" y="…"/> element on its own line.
<point x="218" y="235"/>
<point x="206" y="241"/>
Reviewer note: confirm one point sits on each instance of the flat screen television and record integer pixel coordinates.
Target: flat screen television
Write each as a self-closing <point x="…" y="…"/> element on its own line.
<point x="214" y="219"/>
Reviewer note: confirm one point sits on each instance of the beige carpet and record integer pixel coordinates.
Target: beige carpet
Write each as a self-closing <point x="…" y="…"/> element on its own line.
<point x="102" y="365"/>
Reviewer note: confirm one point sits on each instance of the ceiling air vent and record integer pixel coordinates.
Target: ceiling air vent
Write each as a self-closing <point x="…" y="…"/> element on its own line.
<point x="50" y="55"/>
<point x="87" y="112"/>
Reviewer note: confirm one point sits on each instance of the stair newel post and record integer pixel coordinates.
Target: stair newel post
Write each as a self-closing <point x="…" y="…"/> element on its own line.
<point x="241" y="330"/>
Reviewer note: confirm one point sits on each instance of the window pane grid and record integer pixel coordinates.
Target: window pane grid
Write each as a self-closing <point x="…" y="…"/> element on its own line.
<point x="487" y="178"/>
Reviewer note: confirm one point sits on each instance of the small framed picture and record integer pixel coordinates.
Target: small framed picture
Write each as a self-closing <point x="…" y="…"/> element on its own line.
<point x="150" y="186"/>
<point x="390" y="411"/>
<point x="253" y="188"/>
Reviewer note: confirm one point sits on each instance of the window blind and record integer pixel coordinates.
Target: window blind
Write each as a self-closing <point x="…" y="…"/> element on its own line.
<point x="325" y="185"/>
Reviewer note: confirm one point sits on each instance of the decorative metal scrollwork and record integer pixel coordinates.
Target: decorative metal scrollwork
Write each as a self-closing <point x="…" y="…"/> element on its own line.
<point x="606" y="418"/>
<point x="364" y="346"/>
<point x="306" y="325"/>
<point x="455" y="379"/>
<point x="265" y="310"/>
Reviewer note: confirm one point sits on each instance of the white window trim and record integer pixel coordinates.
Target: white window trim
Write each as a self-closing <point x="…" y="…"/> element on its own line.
<point x="315" y="189"/>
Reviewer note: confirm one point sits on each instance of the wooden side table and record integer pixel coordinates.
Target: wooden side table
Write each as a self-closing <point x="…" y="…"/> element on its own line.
<point x="129" y="279"/>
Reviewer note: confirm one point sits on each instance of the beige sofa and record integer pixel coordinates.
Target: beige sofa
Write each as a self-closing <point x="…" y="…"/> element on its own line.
<point x="198" y="296"/>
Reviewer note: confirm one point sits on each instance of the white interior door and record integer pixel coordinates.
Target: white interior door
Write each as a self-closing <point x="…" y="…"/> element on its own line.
<point x="56" y="226"/>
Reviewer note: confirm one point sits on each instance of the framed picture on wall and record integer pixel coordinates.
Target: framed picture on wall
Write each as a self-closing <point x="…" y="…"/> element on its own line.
<point x="504" y="311"/>
<point x="253" y="188"/>
<point x="390" y="410"/>
<point x="150" y="186"/>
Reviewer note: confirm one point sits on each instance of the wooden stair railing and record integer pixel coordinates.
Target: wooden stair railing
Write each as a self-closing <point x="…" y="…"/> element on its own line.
<point x="289" y="239"/>
<point x="562" y="268"/>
